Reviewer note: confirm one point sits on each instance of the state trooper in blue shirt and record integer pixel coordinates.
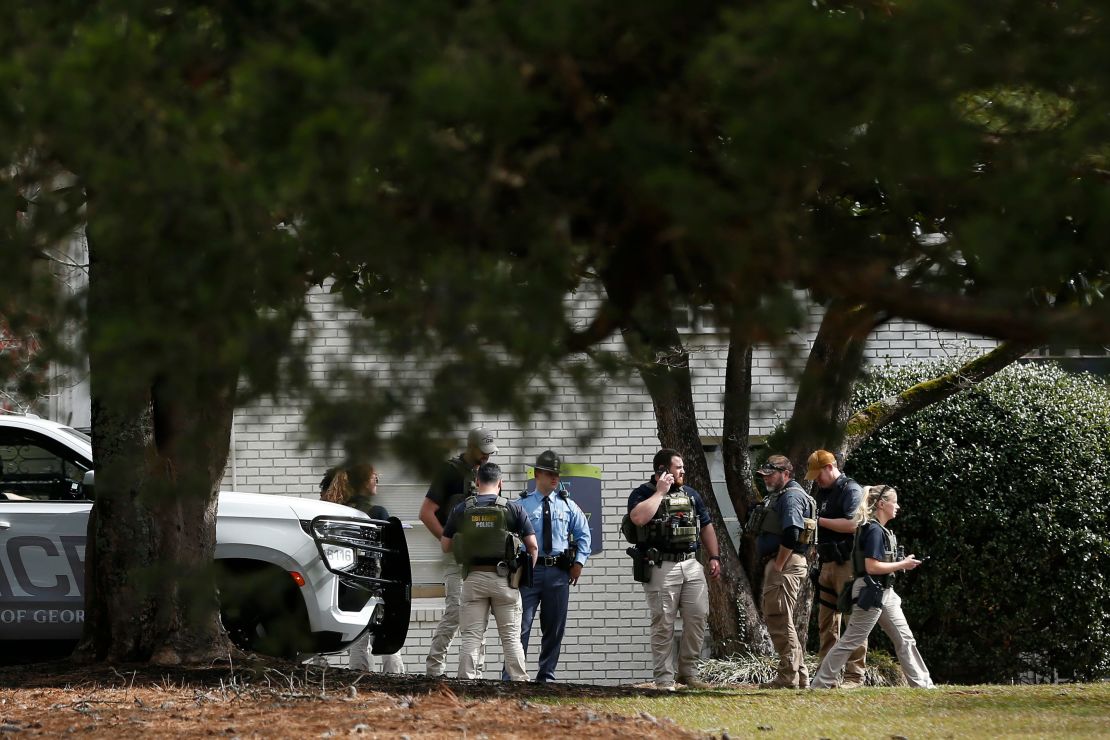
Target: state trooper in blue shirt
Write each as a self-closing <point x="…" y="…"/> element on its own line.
<point x="563" y="534"/>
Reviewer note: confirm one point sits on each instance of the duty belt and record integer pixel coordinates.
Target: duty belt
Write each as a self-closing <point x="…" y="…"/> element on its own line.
<point x="484" y="568"/>
<point x="549" y="560"/>
<point x="677" y="557"/>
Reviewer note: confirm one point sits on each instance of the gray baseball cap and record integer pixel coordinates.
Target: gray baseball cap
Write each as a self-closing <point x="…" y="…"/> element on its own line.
<point x="483" y="440"/>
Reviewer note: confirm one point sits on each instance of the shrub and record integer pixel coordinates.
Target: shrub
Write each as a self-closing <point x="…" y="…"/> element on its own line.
<point x="1006" y="487"/>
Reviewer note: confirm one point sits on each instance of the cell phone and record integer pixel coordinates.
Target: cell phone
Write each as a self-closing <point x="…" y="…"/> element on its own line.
<point x="923" y="558"/>
<point x="660" y="470"/>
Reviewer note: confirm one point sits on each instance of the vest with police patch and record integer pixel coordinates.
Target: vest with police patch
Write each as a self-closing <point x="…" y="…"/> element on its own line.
<point x="482" y="532"/>
<point x="674" y="528"/>
<point x="890" y="553"/>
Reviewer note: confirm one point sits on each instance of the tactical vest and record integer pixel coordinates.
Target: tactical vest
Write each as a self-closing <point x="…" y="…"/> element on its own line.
<point x="890" y="554"/>
<point x="673" y="528"/>
<point x="831" y="536"/>
<point x="482" y="536"/>
<point x="756" y="515"/>
<point x="769" y="521"/>
<point x="469" y="483"/>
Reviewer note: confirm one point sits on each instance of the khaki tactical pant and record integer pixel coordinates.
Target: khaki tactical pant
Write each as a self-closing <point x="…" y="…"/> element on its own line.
<point x="833" y="577"/>
<point x="483" y="592"/>
<point x="780" y="594"/>
<point x="362" y="659"/>
<point x="862" y="621"/>
<point x="444" y="632"/>
<point x="677" y="588"/>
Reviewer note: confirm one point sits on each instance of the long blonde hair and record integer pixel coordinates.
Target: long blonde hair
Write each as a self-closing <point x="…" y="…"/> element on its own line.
<point x="872" y="495"/>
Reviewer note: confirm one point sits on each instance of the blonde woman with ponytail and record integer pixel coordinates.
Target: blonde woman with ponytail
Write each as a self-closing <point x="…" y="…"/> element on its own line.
<point x="875" y="558"/>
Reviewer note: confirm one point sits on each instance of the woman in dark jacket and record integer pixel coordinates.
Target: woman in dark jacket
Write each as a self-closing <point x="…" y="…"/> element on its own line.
<point x="356" y="486"/>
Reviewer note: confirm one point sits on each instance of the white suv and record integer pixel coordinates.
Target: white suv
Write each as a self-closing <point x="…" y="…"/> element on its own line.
<point x="296" y="575"/>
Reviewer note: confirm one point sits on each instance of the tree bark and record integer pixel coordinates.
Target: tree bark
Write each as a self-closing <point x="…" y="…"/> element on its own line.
<point x="975" y="314"/>
<point x="735" y="443"/>
<point x="825" y="389"/>
<point x="161" y="432"/>
<point x="874" y="417"/>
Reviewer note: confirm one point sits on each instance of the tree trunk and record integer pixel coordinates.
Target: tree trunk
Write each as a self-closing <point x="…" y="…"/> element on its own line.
<point x="735" y="443"/>
<point x="825" y="389"/>
<point x="665" y="369"/>
<point x="161" y="431"/>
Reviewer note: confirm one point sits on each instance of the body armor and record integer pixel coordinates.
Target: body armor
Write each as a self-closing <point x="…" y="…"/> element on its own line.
<point x="483" y="534"/>
<point x="674" y="527"/>
<point x="890" y="555"/>
<point x="756" y="515"/>
<point x="765" y="519"/>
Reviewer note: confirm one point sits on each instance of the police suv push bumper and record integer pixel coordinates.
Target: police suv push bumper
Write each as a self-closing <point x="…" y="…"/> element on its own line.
<point x="371" y="556"/>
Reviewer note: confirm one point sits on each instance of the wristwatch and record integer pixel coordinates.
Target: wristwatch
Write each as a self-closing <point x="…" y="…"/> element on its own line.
<point x="715" y="557"/>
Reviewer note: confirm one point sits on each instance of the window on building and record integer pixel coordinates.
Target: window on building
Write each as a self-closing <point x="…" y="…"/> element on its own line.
<point x="1087" y="358"/>
<point x="695" y="320"/>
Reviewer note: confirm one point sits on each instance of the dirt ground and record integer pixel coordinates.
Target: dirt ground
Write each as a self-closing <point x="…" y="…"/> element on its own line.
<point x="274" y="699"/>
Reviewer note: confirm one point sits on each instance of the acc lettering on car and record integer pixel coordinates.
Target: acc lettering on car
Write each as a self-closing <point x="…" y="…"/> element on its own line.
<point x="68" y="570"/>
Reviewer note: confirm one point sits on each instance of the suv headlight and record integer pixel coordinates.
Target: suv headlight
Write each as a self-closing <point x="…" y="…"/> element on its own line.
<point x="354" y="531"/>
<point x="349" y="547"/>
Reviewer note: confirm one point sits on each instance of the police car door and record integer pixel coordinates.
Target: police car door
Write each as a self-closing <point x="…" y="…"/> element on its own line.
<point x="43" y="521"/>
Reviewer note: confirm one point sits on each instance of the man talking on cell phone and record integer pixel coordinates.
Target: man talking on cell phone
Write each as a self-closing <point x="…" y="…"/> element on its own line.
<point x="670" y="521"/>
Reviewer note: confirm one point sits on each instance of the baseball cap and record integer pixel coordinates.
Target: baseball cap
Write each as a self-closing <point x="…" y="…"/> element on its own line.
<point x="483" y="440"/>
<point x="776" y="464"/>
<point x="818" y="460"/>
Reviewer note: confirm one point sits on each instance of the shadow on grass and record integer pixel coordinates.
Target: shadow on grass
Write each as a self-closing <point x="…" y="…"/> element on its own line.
<point x="256" y="671"/>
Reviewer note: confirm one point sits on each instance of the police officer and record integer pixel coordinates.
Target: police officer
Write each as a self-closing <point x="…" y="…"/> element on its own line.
<point x="482" y="524"/>
<point x="876" y="558"/>
<point x="670" y="521"/>
<point x="558" y="522"/>
<point x="453" y="482"/>
<point x="838" y="500"/>
<point x="785" y="533"/>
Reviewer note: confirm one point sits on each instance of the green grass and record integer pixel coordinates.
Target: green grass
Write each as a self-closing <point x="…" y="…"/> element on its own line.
<point x="1066" y="710"/>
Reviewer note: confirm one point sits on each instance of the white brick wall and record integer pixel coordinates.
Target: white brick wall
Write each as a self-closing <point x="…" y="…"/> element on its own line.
<point x="607" y="630"/>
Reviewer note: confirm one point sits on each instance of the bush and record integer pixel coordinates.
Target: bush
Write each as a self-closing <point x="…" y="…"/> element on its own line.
<point x="1006" y="487"/>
